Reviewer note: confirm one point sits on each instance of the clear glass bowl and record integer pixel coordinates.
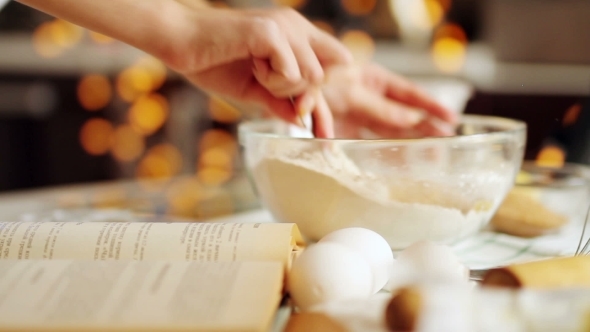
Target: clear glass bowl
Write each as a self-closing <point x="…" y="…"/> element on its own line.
<point x="438" y="189"/>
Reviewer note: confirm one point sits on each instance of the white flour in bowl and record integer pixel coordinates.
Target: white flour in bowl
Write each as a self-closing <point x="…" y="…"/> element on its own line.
<point x="322" y="195"/>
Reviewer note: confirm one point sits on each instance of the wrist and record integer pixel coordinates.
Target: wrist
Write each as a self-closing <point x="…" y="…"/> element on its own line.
<point x="184" y="33"/>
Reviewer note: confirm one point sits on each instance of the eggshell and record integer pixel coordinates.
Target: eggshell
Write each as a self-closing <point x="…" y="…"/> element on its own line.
<point x="327" y="272"/>
<point x="372" y="246"/>
<point x="431" y="260"/>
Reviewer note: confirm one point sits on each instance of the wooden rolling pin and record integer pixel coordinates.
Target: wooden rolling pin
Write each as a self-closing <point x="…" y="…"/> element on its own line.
<point x="566" y="272"/>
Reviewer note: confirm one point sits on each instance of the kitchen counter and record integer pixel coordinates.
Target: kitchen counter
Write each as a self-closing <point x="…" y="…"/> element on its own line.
<point x="150" y="198"/>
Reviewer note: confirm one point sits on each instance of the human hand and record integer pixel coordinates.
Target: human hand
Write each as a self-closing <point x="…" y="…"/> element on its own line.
<point x="371" y="97"/>
<point x="258" y="56"/>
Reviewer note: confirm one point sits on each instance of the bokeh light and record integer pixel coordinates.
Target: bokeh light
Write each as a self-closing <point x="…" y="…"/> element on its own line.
<point x="94" y="92"/>
<point x="146" y="75"/>
<point x="66" y="34"/>
<point x="449" y="48"/>
<point x="156" y="70"/>
<point x="435" y="11"/>
<point x="148" y="113"/>
<point x="359" y="7"/>
<point x="360" y="44"/>
<point x="217" y="138"/>
<point x="162" y="161"/>
<point x="128" y="144"/>
<point x="216" y="157"/>
<point x="213" y="176"/>
<point x="96" y="136"/>
<point x="44" y="41"/>
<point x="133" y="82"/>
<point x="551" y="156"/>
<point x="183" y="197"/>
<point x="451" y="30"/>
<point x="222" y="111"/>
<point x="571" y="115"/>
<point x="217" y="150"/>
<point x="52" y="38"/>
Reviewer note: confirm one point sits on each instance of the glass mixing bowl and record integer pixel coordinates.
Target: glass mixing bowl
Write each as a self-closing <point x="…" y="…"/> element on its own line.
<point x="438" y="189"/>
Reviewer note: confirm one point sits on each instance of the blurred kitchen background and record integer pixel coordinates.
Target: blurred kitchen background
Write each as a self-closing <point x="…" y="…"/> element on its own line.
<point x="77" y="107"/>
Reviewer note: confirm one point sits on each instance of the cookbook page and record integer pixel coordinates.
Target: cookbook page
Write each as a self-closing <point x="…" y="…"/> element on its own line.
<point x="60" y="295"/>
<point x="188" y="241"/>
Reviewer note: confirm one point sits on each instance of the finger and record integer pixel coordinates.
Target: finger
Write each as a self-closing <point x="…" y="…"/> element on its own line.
<point x="305" y="103"/>
<point x="406" y="92"/>
<point x="267" y="41"/>
<point x="432" y="128"/>
<point x="377" y="108"/>
<point x="309" y="65"/>
<point x="276" y="83"/>
<point x="280" y="107"/>
<point x="323" y="122"/>
<point x="329" y="50"/>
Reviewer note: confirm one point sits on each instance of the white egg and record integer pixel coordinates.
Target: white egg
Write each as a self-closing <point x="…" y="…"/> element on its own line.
<point x="372" y="246"/>
<point x="326" y="272"/>
<point x="433" y="261"/>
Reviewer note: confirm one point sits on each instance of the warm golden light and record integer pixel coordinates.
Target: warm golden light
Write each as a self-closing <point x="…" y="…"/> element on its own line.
<point x="445" y="4"/>
<point x="128" y="145"/>
<point x="291" y="3"/>
<point x="155" y="69"/>
<point x="435" y="11"/>
<point x="96" y="136"/>
<point x="216" y="157"/>
<point x="146" y="75"/>
<point x="360" y="44"/>
<point x="148" y="113"/>
<point x="216" y="138"/>
<point x="44" y="41"/>
<point x="183" y="197"/>
<point x="213" y="176"/>
<point x="94" y="92"/>
<point x="99" y="38"/>
<point x="133" y="83"/>
<point x="571" y="115"/>
<point x="359" y="7"/>
<point x="551" y="156"/>
<point x="222" y="111"/>
<point x="451" y="30"/>
<point x="162" y="161"/>
<point x="448" y="54"/>
<point x="449" y="48"/>
<point x="66" y="34"/>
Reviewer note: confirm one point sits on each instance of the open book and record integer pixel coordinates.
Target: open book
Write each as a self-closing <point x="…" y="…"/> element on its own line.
<point x="136" y="276"/>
